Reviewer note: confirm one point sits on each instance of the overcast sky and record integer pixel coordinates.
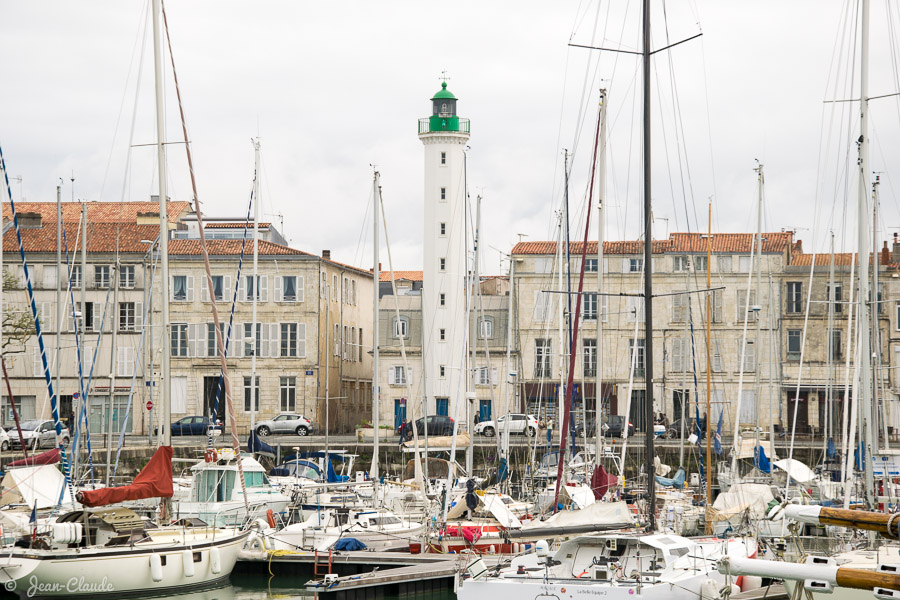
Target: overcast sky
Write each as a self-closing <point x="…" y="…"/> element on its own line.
<point x="334" y="87"/>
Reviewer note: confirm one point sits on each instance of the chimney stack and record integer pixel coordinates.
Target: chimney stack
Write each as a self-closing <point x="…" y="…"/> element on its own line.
<point x="895" y="253"/>
<point x="326" y="254"/>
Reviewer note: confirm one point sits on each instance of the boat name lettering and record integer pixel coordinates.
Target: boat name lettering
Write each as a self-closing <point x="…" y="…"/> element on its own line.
<point x="592" y="592"/>
<point x="74" y="584"/>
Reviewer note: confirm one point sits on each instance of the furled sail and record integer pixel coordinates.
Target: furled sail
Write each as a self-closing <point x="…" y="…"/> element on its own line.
<point x="154" y="481"/>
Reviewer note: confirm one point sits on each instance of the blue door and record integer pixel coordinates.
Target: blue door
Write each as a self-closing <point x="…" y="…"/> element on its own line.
<point x="484" y="411"/>
<point x="442" y="406"/>
<point x="399" y="412"/>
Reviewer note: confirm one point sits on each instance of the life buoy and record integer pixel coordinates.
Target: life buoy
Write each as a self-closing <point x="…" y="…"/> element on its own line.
<point x="211" y="455"/>
<point x="270" y="517"/>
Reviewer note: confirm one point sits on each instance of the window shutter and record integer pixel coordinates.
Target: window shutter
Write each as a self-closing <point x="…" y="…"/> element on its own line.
<point x="301" y="340"/>
<point x="717" y="305"/>
<point x="409" y="375"/>
<point x="226" y="289"/>
<point x="189" y="284"/>
<point x="279" y="285"/>
<point x="274" y="339"/>
<point x="263" y="342"/>
<point x="678" y="306"/>
<point x="124" y="361"/>
<point x="626" y="265"/>
<point x="171" y="288"/>
<point x="242" y="288"/>
<point x="46" y="316"/>
<point x="392" y="378"/>
<point x="192" y="340"/>
<point x="717" y="356"/>
<point x="263" y="288"/>
<point x="677" y="355"/>
<point x="300" y="289"/>
<point x="37" y="365"/>
<point x="204" y="290"/>
<point x="138" y="316"/>
<point x="494" y="376"/>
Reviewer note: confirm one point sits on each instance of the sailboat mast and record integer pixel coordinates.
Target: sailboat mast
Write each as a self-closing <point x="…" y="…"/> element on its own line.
<point x="59" y="306"/>
<point x="165" y="417"/>
<point x="757" y="309"/>
<point x="709" y="373"/>
<point x="254" y="389"/>
<point x="601" y="198"/>
<point x="865" y="366"/>
<point x="648" y="283"/>
<point x="829" y="381"/>
<point x="376" y="274"/>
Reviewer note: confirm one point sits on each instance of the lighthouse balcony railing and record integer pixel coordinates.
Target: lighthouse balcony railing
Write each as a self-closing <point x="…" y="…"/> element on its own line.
<point x="452" y="125"/>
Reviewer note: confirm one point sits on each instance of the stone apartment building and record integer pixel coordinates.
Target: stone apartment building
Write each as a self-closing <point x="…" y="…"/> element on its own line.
<point x="612" y="336"/>
<point x="401" y="320"/>
<point x="313" y="318"/>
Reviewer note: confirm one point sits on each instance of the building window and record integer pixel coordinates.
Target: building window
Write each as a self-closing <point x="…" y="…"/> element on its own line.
<point x="794" y="297"/>
<point x="700" y="263"/>
<point x="101" y="276"/>
<point x="288" y="393"/>
<point x="749" y="354"/>
<point x="443" y="229"/>
<point x="834" y="297"/>
<point x="589" y="363"/>
<point x="334" y="288"/>
<point x="218" y="284"/>
<point x="179" y="288"/>
<point x="288" y="340"/>
<point x="401" y="327"/>
<point x="126" y="316"/>
<point x="724" y="264"/>
<point x="443" y="264"/>
<point x="794" y="344"/>
<point x="251" y="348"/>
<point x="443" y="370"/>
<point x="345" y="343"/>
<point x="442" y="406"/>
<point x="483" y="376"/>
<point x="444" y="303"/>
<point x="542" y="358"/>
<point x="397" y="376"/>
<point x="88" y="317"/>
<point x="360" y="346"/>
<point x="126" y="277"/>
<point x="212" y="344"/>
<point x="443" y="334"/>
<point x="253" y="287"/>
<point x="179" y="339"/>
<point x="248" y="401"/>
<point x="337" y="340"/>
<point x="443" y="158"/>
<point x="681" y="264"/>
<point x="590" y="265"/>
<point x="289" y="288"/>
<point x="590" y="307"/>
<point x="752" y="315"/>
<point x="745" y="263"/>
<point x="635" y="265"/>
<point x="836" y="344"/>
<point x="75" y="277"/>
<point x="486" y="328"/>
<point x="443" y="193"/>
<point x="637" y="354"/>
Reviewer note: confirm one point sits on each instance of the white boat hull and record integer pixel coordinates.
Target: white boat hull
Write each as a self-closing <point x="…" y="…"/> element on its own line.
<point x="118" y="571"/>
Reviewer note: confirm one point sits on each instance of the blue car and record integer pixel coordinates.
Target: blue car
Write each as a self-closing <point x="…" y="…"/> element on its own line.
<point x="195" y="425"/>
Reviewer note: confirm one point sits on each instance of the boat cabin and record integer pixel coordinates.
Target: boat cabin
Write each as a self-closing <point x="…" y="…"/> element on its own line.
<point x="104" y="526"/>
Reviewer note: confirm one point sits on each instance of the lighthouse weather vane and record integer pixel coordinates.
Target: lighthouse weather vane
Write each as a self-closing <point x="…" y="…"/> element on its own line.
<point x="444" y="77"/>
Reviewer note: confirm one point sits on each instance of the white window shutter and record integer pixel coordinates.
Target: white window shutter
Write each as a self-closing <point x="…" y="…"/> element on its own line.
<point x="274" y="339"/>
<point x="204" y="290"/>
<point x="226" y="289"/>
<point x="263" y="341"/>
<point x="301" y="340"/>
<point x="494" y="376"/>
<point x="242" y="288"/>
<point x="171" y="288"/>
<point x="190" y="288"/>
<point x="279" y="284"/>
<point x="238" y="344"/>
<point x="392" y="380"/>
<point x="301" y="291"/>
<point x="717" y="356"/>
<point x="192" y="339"/>
<point x="409" y="375"/>
<point x="263" y="288"/>
<point x="677" y="360"/>
<point x="138" y="316"/>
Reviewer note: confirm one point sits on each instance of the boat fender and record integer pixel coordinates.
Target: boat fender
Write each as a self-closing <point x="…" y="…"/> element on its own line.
<point x="187" y="559"/>
<point x="709" y="590"/>
<point x="750" y="582"/>
<point x="156" y="572"/>
<point x="215" y="561"/>
<point x="270" y="517"/>
<point x="211" y="455"/>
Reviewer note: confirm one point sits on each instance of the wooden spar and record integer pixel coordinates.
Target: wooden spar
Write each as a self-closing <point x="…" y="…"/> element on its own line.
<point x="885" y="524"/>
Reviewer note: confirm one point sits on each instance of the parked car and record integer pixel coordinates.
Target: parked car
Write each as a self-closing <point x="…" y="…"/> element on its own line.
<point x="4" y="440"/>
<point x="194" y="425"/>
<point x="674" y="430"/>
<point x="285" y="423"/>
<point x="518" y="423"/>
<point x="437" y="425"/>
<point x="38" y="434"/>
<point x="614" y="424"/>
<point x="591" y="427"/>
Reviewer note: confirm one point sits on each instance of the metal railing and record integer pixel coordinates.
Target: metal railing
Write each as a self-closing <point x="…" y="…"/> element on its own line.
<point x="425" y="126"/>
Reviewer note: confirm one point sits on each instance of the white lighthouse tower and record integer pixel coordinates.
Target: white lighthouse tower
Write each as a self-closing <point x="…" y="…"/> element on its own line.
<point x="444" y="135"/>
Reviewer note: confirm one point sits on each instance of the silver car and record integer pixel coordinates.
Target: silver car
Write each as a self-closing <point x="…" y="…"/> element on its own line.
<point x="39" y="434"/>
<point x="285" y="423"/>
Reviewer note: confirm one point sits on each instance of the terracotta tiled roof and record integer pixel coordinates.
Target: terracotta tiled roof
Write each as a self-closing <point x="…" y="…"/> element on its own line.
<point x="234" y="225"/>
<point x="824" y="260"/>
<point x="623" y="247"/>
<point x="98" y="212"/>
<point x="730" y="242"/>
<point x="401" y="275"/>
<point x="230" y="247"/>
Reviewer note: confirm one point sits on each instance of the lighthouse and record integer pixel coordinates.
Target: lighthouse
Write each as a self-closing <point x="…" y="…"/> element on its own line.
<point x="444" y="135"/>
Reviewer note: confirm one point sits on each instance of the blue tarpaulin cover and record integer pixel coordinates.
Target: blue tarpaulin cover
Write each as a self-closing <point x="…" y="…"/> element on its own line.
<point x="349" y="545"/>
<point x="676" y="482"/>
<point x="760" y="461"/>
<point x="257" y="446"/>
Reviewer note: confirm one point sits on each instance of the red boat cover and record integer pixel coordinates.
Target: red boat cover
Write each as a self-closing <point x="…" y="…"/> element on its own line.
<point x="601" y="481"/>
<point x="154" y="481"/>
<point x="51" y="457"/>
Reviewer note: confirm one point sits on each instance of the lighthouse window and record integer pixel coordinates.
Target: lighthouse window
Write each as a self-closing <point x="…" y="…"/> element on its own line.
<point x="443" y="229"/>
<point x="443" y="264"/>
<point x="443" y="158"/>
<point x="443" y="193"/>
